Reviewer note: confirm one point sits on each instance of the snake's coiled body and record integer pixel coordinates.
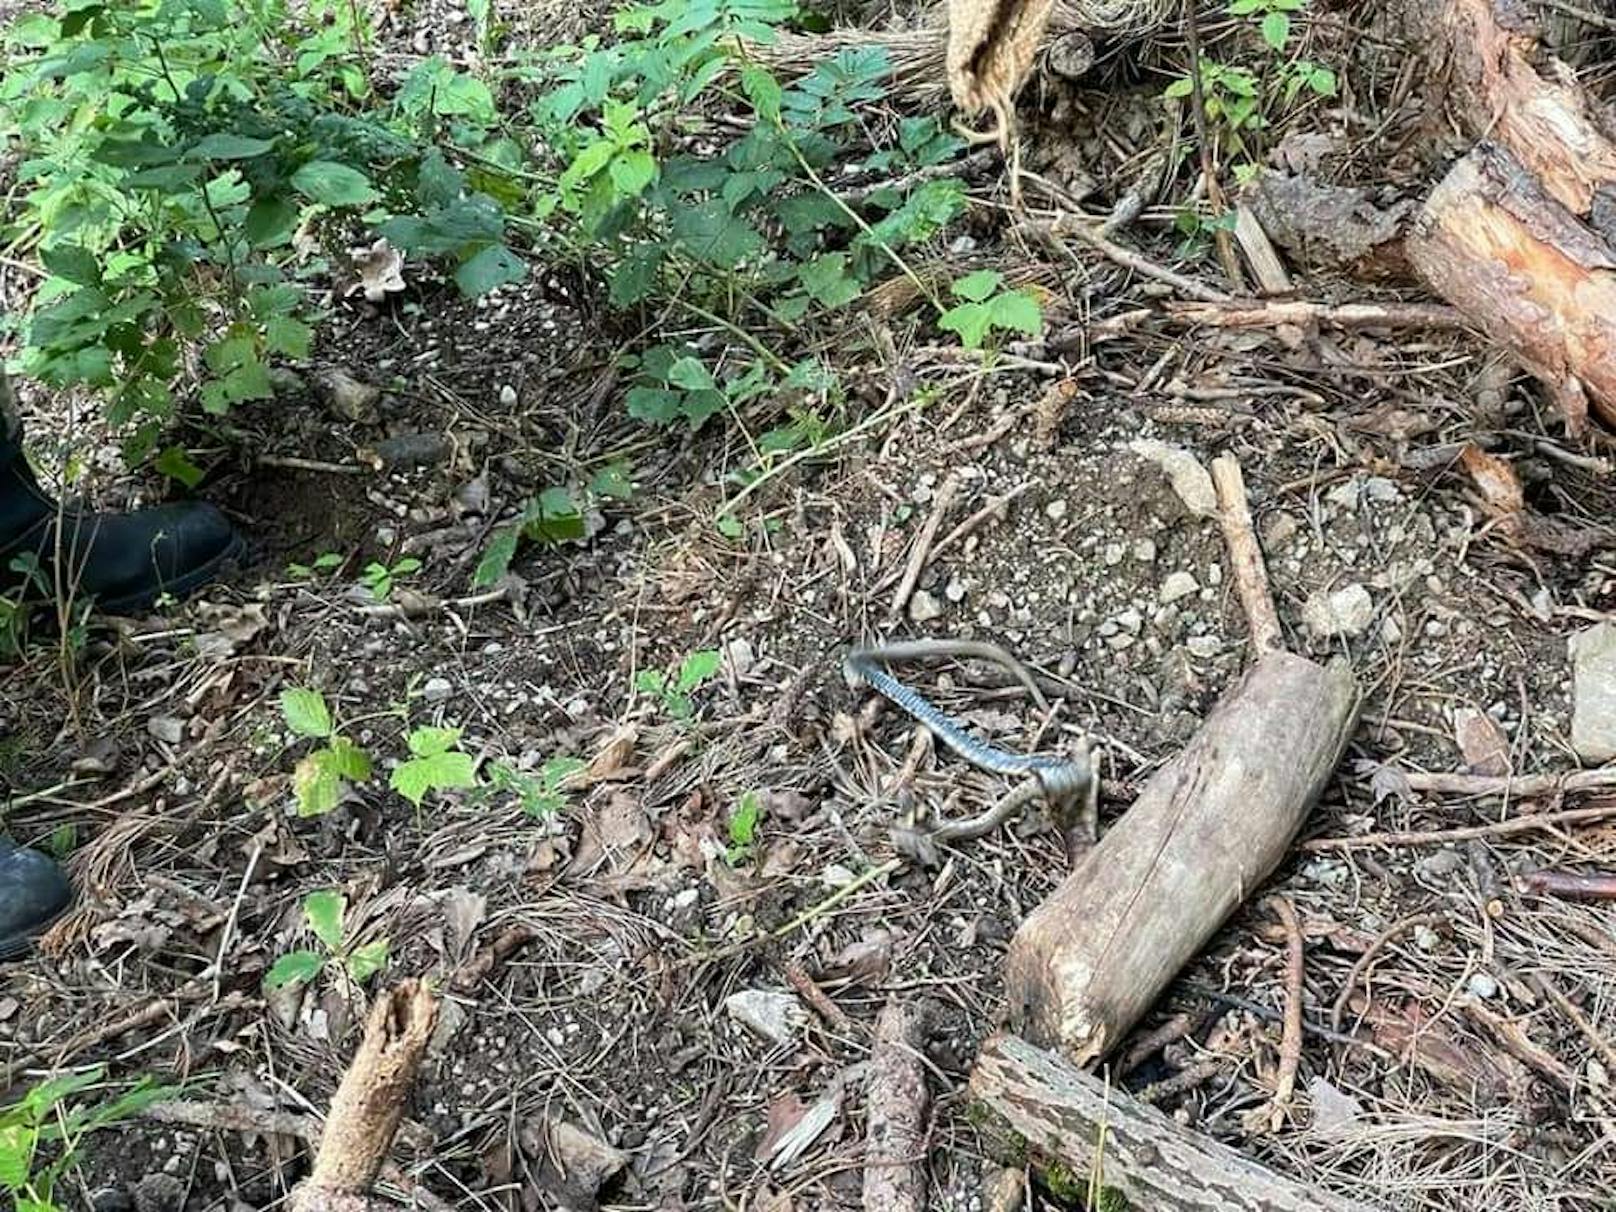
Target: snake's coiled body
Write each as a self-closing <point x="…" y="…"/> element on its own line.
<point x="1061" y="779"/>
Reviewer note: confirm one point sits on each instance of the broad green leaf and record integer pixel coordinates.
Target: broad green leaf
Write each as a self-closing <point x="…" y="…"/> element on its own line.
<point x="288" y="337"/>
<point x="1322" y="81"/>
<point x="294" y="968"/>
<point x="690" y="374"/>
<point x="697" y="668"/>
<point x="77" y="265"/>
<point x="324" y="910"/>
<point x="969" y="320"/>
<point x="333" y="184"/>
<point x="223" y="145"/>
<point x="494" y="266"/>
<point x="714" y="235"/>
<point x="176" y="465"/>
<point x="17" y="1144"/>
<point x="270" y="221"/>
<point x="429" y="742"/>
<point x="497" y="556"/>
<point x="365" y="962"/>
<point x="977" y="286"/>
<point x="827" y="281"/>
<point x="613" y="480"/>
<point x="316" y="785"/>
<point x="657" y="405"/>
<point x="558" y="770"/>
<point x="762" y="90"/>
<point x="347" y="760"/>
<point x="1276" y="30"/>
<point x="1017" y="310"/>
<point x="417" y="777"/>
<point x="305" y="712"/>
<point x="632" y="171"/>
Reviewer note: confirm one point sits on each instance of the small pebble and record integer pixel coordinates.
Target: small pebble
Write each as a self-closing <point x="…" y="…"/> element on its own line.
<point x="1178" y="585"/>
<point x="437" y="690"/>
<point x="923" y="608"/>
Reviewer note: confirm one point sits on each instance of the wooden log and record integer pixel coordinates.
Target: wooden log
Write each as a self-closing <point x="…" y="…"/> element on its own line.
<point x="1205" y="831"/>
<point x="1078" y="1120"/>
<point x="1496" y="245"/>
<point x="369" y="1103"/>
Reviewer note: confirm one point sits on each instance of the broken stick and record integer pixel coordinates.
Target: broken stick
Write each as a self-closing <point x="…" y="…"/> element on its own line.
<point x="1206" y="829"/>
<point x="368" y="1105"/>
<point x="1067" y="1116"/>
<point x="895" y="1153"/>
<point x="1245" y="556"/>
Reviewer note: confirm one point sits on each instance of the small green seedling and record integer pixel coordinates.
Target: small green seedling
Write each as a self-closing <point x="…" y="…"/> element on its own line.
<point x="324" y="911"/>
<point x="1273" y="18"/>
<point x="50" y="1115"/>
<point x="540" y="797"/>
<point x="325" y="562"/>
<point x="987" y="309"/>
<point x="321" y="777"/>
<point x="435" y="765"/>
<point x="672" y="689"/>
<point x="743" y="824"/>
<point x="379" y="578"/>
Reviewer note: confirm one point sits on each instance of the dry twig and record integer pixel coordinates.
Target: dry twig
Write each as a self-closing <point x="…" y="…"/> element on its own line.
<point x="1290" y="1043"/>
<point x="1245" y="556"/>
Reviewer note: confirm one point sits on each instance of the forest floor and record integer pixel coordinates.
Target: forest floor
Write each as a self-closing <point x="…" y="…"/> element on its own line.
<point x="598" y="960"/>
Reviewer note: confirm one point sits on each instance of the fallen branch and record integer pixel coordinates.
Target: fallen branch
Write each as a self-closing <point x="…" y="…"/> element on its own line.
<point x="1514" y="786"/>
<point x="895" y="1139"/>
<point x="1568" y="885"/>
<point x="1075" y="1119"/>
<point x="1544" y="822"/>
<point x="1081" y="229"/>
<point x="369" y="1103"/>
<point x="1290" y="1043"/>
<point x="1245" y="555"/>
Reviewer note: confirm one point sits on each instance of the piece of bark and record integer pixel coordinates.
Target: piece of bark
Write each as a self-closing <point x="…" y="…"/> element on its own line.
<point x="1493" y="243"/>
<point x="1326" y="226"/>
<point x="895" y="1140"/>
<point x="1206" y="830"/>
<point x="1266" y="267"/>
<point x="1554" y="127"/>
<point x="369" y="1103"/>
<point x="1073" y="1118"/>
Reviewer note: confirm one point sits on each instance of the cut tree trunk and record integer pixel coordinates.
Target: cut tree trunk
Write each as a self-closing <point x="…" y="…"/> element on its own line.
<point x="895" y="1148"/>
<point x="1496" y="245"/>
<point x="1067" y="1116"/>
<point x="1206" y="829"/>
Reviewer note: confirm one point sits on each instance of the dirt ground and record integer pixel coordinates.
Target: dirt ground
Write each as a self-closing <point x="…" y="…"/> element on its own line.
<point x="1467" y="1067"/>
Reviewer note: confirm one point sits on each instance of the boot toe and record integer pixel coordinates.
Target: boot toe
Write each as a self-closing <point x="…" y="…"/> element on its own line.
<point x="33" y="893"/>
<point x="168" y="549"/>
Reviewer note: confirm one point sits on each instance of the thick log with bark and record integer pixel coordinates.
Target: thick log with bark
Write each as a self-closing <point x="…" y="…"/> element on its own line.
<point x="1078" y="1120"/>
<point x="1205" y="831"/>
<point x="1492" y="242"/>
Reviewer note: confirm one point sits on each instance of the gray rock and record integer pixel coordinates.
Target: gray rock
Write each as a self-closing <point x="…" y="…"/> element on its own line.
<point x="773" y="1014"/>
<point x="1178" y="585"/>
<point x="166" y="728"/>
<point x="1481" y="985"/>
<point x="923" y="608"/>
<point x="437" y="690"/>
<point x="1593" y="676"/>
<point x="1184" y="472"/>
<point x="1346" y="612"/>
<point x="348" y="397"/>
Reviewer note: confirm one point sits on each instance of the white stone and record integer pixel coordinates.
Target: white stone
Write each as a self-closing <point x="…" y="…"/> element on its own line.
<point x="1593" y="695"/>
<point x="775" y="1015"/>
<point x="1178" y="585"/>
<point x="1346" y="612"/>
<point x="437" y="690"/>
<point x="923" y="608"/>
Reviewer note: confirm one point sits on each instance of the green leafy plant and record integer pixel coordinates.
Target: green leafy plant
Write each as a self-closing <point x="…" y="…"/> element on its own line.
<point x="1273" y="18"/>
<point x="435" y="764"/>
<point x="179" y="162"/>
<point x="324" y="912"/>
<point x="321" y="776"/>
<point x="551" y="517"/>
<point x="328" y="561"/>
<point x="380" y="579"/>
<point x="542" y="796"/>
<point x="743" y="826"/>
<point x="42" y="1132"/>
<point x="987" y="309"/>
<point x="672" y="688"/>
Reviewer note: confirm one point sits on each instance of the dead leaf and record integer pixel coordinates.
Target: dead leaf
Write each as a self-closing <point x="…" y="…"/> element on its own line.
<point x="810" y="1125"/>
<point x="784" y="1113"/>
<point x="380" y="268"/>
<point x="1500" y="487"/>
<point x="864" y="962"/>
<point x="614" y="836"/>
<point x="462" y="911"/>
<point x="1482" y="742"/>
<point x="572" y="1165"/>
<point x="610" y="761"/>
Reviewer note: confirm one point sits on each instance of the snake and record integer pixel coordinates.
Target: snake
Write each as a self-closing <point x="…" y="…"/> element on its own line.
<point x="1061" y="781"/>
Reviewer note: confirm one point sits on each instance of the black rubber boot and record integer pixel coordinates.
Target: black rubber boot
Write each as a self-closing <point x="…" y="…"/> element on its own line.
<point x="33" y="893"/>
<point x="125" y="561"/>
